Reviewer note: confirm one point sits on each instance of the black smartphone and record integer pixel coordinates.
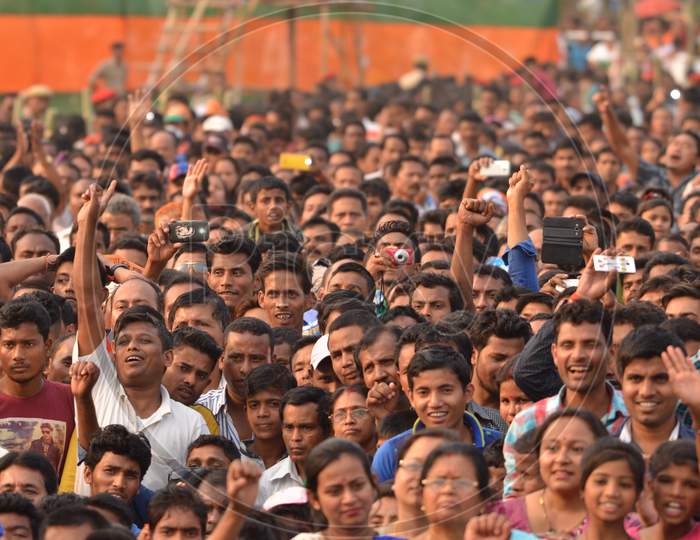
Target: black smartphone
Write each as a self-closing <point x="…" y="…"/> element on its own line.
<point x="562" y="242"/>
<point x="27" y="127"/>
<point x="188" y="231"/>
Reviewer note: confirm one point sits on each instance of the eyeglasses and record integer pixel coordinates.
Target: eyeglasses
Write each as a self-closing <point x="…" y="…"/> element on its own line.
<point x="356" y="414"/>
<point x="459" y="484"/>
<point x="411" y="466"/>
<point x="198" y="267"/>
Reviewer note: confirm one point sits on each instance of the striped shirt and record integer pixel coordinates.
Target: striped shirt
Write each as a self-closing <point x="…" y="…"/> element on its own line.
<point x="215" y="401"/>
<point x="534" y="416"/>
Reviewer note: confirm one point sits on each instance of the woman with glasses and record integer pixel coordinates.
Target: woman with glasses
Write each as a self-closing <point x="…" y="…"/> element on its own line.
<point x="351" y="418"/>
<point x="411" y="457"/>
<point x="341" y="487"/>
<point x="455" y="482"/>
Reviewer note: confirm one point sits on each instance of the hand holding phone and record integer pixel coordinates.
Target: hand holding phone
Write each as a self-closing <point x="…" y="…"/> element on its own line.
<point x="188" y="231"/>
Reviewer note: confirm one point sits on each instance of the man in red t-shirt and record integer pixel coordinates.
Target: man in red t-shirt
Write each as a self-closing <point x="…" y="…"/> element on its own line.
<point x="35" y="414"/>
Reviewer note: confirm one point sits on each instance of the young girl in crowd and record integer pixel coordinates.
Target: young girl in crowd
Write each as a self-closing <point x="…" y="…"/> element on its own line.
<point x="411" y="520"/>
<point x="675" y="482"/>
<point x="557" y="509"/>
<point x="455" y="480"/>
<point x="351" y="418"/>
<point x="612" y="477"/>
<point x="659" y="213"/>
<point x="342" y="488"/>
<point x="511" y="398"/>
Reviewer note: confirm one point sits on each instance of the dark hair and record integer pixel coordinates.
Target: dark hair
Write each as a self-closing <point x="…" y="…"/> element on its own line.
<point x="645" y="342"/>
<point x="680" y="291"/>
<point x="144" y="314"/>
<point x="352" y="389"/>
<point x="35" y="462"/>
<point x="376" y="188"/>
<point x="686" y="329"/>
<point x="347" y="192"/>
<point x="533" y="298"/>
<point x="53" y="304"/>
<point x="227" y="446"/>
<point x="655" y="203"/>
<point x="27" y="211"/>
<point x="193" y="247"/>
<point x="658" y="283"/>
<point x="680" y="452"/>
<point x="587" y="417"/>
<point x="397" y="227"/>
<point x="493" y="454"/>
<point x="431" y="280"/>
<point x="340" y="300"/>
<point x="627" y="199"/>
<point x="74" y="516"/>
<point x="310" y="394"/>
<point x="370" y="337"/>
<point x="438" y="357"/>
<point x="113" y="505"/>
<point x="41" y="186"/>
<point x="14" y="503"/>
<point x="269" y="377"/>
<point x="328" y="452"/>
<point x="57" y="501"/>
<point x="401" y="311"/>
<point x="502" y="323"/>
<point x="197" y="340"/>
<point x="13" y="314"/>
<point x="118" y="440"/>
<point x="444" y="333"/>
<point x="397" y="422"/>
<point x="24" y="232"/>
<point x="354" y="317"/>
<point x="639" y="226"/>
<point x="581" y="312"/>
<point x="357" y="268"/>
<point x="662" y="258"/>
<point x="317" y="220"/>
<point x="487" y="270"/>
<point x="144" y="154"/>
<point x="176" y="497"/>
<point x="202" y="296"/>
<point x="286" y="262"/>
<point x="250" y="325"/>
<point x="638" y="314"/>
<point x="269" y="183"/>
<point x="237" y="243"/>
<point x="289" y="336"/>
<point x="468" y="451"/>
<point x="609" y="449"/>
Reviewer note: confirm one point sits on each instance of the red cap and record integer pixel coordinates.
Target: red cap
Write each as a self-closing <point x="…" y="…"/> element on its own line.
<point x="103" y="94"/>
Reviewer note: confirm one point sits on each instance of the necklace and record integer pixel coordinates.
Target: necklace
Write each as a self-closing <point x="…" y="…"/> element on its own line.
<point x="550" y="529"/>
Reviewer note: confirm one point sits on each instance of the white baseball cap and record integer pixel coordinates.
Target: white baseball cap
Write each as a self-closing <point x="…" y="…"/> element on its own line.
<point x="217" y="123"/>
<point x="320" y="351"/>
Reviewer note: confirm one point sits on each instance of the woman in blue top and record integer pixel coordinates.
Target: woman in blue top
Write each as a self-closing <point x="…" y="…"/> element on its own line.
<point x="341" y="487"/>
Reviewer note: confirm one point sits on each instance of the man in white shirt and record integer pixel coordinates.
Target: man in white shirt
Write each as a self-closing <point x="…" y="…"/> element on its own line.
<point x="129" y="390"/>
<point x="305" y="424"/>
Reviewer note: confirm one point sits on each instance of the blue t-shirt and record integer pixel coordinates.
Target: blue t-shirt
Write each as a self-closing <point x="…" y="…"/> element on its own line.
<point x="386" y="459"/>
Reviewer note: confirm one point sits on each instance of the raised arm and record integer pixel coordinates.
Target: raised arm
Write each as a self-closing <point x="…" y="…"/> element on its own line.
<point x="522" y="258"/>
<point x="47" y="167"/>
<point x="13" y="273"/>
<point x="83" y="376"/>
<point x="192" y="187"/>
<point x="139" y="105"/>
<point x="160" y="249"/>
<point x="242" y="489"/>
<point x="616" y="133"/>
<point x="88" y="287"/>
<point x="472" y="213"/>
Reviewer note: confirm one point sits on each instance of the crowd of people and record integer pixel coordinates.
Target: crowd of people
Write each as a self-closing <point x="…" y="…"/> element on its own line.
<point x="369" y="338"/>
